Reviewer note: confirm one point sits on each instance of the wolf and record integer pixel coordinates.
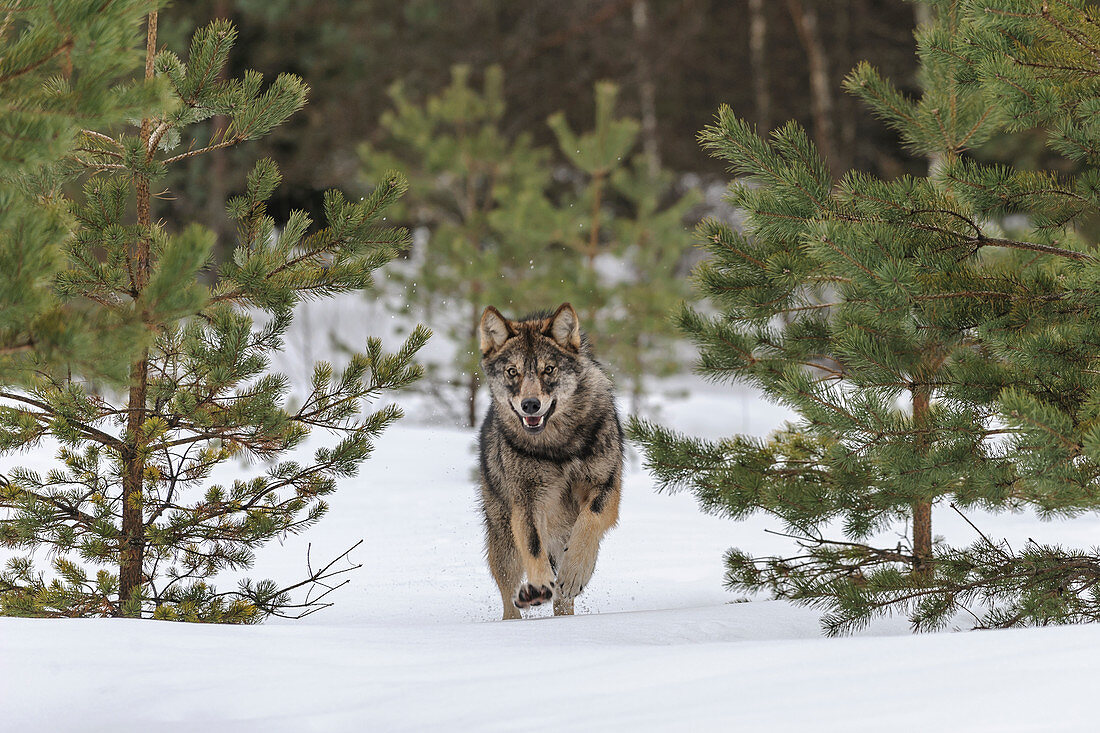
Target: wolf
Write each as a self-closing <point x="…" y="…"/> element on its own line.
<point x="551" y="454"/>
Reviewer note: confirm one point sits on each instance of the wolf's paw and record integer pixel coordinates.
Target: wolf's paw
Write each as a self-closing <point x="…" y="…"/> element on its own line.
<point x="576" y="571"/>
<point x="532" y="595"/>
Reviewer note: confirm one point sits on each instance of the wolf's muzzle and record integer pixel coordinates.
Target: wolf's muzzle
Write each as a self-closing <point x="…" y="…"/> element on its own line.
<point x="534" y="423"/>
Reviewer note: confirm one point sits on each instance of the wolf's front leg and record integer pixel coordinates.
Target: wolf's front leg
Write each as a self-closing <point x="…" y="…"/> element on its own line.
<point x="599" y="514"/>
<point x="528" y="536"/>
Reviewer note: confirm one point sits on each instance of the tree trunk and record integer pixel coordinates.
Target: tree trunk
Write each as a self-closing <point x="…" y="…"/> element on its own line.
<point x="821" y="93"/>
<point x="588" y="314"/>
<point x="647" y="88"/>
<point x="922" y="537"/>
<point x="922" y="510"/>
<point x="594" y="234"/>
<point x="472" y="384"/>
<point x="471" y="414"/>
<point x="636" y="384"/>
<point x="132" y="555"/>
<point x="758" y="60"/>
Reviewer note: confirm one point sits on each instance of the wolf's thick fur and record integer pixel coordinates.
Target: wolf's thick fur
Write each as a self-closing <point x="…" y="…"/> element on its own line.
<point x="551" y="458"/>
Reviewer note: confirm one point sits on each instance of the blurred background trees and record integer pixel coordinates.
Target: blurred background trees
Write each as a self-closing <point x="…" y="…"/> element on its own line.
<point x="481" y="199"/>
<point x="674" y="61"/>
<point x="500" y="223"/>
<point x="480" y="81"/>
<point x="624" y="231"/>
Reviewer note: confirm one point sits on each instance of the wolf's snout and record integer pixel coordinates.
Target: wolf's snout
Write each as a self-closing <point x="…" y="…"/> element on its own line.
<point x="533" y="414"/>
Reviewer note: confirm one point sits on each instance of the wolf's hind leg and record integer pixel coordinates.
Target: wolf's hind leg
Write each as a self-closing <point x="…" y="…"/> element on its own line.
<point x="563" y="606"/>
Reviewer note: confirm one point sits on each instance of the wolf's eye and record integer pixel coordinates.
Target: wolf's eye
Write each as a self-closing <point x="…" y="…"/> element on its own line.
<point x="511" y="371"/>
<point x="548" y="370"/>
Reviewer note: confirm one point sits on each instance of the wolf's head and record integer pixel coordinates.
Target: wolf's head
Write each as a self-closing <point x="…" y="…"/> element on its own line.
<point x="533" y="366"/>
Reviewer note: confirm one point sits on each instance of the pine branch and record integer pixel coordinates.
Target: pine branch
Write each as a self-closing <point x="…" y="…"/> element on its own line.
<point x="1079" y="38"/>
<point x="983" y="240"/>
<point x="101" y="137"/>
<point x="977" y="241"/>
<point x="18" y="348"/>
<point x="92" y="433"/>
<point x="63" y="47"/>
<point x="210" y="148"/>
<point x="980" y="533"/>
<point x="874" y="553"/>
<point x="71" y="512"/>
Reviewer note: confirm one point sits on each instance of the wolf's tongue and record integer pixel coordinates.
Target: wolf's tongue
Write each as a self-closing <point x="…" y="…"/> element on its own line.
<point x="533" y="421"/>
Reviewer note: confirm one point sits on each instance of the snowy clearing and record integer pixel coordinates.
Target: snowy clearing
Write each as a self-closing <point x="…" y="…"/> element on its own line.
<point x="413" y="642"/>
<point x="718" y="667"/>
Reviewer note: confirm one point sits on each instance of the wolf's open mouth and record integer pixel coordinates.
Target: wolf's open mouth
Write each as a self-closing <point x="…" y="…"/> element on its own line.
<point x="535" y="423"/>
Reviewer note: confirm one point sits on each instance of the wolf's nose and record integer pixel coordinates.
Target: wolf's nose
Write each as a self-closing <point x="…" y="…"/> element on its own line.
<point x="530" y="406"/>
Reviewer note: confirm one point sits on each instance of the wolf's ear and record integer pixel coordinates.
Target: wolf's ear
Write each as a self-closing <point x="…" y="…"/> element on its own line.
<point x="494" y="330"/>
<point x="565" y="327"/>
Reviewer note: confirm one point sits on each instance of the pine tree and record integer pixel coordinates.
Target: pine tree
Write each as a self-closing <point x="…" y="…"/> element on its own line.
<point x="598" y="154"/>
<point x="934" y="357"/>
<point x="631" y="216"/>
<point x="130" y="517"/>
<point x="482" y="196"/>
<point x="642" y="341"/>
<point x="64" y="67"/>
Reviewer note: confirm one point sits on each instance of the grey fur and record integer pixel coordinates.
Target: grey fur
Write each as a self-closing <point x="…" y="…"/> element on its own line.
<point x="549" y="491"/>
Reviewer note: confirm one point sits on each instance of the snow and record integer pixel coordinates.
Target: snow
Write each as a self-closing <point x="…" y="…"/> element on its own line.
<point x="414" y="642"/>
<point x="651" y="670"/>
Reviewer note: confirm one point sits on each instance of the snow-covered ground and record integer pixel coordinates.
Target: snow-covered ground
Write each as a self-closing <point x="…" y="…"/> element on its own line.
<point x="413" y="643"/>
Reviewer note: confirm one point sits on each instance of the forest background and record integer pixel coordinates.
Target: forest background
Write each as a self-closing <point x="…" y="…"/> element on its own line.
<point x="675" y="61"/>
<point x="672" y="63"/>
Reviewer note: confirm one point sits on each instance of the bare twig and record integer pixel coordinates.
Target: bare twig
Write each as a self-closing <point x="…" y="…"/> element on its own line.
<point x="980" y="533"/>
<point x="313" y="604"/>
